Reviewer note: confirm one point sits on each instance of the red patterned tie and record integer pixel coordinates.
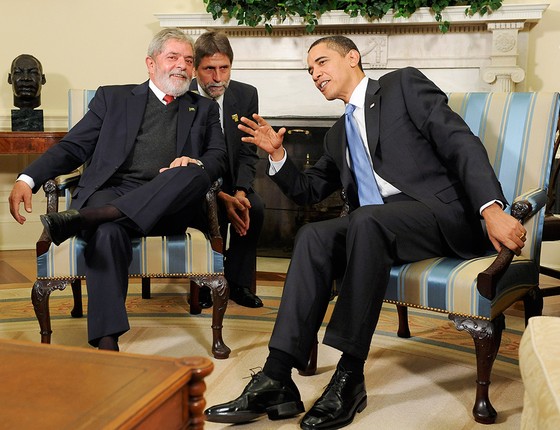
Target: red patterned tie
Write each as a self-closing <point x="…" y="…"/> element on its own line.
<point x="168" y="99"/>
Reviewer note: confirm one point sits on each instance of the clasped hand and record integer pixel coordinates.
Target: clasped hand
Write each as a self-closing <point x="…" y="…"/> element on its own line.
<point x="237" y="208"/>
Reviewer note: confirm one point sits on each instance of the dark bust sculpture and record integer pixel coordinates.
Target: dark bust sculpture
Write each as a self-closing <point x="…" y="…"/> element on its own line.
<point x="27" y="78"/>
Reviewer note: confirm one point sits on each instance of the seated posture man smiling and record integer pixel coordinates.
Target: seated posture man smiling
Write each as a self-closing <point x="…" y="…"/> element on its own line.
<point x="418" y="182"/>
<point x="153" y="151"/>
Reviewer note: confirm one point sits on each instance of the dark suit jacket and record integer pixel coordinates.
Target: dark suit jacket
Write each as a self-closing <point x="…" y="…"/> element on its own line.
<point x="106" y="134"/>
<point x="421" y="147"/>
<point x="240" y="99"/>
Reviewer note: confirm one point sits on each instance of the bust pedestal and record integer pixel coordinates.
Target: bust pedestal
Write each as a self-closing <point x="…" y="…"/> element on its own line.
<point x="27" y="120"/>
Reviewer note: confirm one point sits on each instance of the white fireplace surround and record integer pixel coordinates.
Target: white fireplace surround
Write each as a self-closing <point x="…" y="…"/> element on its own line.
<point x="479" y="53"/>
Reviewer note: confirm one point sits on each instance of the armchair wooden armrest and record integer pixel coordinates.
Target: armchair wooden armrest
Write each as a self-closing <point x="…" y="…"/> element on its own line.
<point x="487" y="280"/>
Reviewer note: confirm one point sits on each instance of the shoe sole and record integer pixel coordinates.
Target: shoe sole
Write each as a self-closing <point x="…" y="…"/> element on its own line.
<point x="285" y="410"/>
<point x="276" y="412"/>
<point x="359" y="408"/>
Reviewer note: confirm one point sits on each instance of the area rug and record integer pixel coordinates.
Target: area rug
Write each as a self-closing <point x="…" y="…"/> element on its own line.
<point x="425" y="382"/>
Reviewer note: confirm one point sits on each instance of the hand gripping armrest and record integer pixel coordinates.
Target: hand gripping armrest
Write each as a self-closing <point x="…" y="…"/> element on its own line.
<point x="524" y="207"/>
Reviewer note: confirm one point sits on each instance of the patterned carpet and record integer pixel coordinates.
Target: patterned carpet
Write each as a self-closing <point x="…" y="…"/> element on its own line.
<point x="426" y="382"/>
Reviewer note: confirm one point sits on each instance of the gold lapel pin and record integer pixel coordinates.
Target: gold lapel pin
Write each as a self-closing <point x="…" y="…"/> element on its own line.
<point x="191" y="109"/>
<point x="235" y="118"/>
<point x="372" y="105"/>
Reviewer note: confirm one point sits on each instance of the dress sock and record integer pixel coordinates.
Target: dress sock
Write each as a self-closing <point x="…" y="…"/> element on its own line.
<point x="93" y="216"/>
<point x="352" y="364"/>
<point x="278" y="366"/>
<point x="109" y="343"/>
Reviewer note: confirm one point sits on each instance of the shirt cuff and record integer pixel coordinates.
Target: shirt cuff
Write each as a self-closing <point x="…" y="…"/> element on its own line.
<point x="275" y="166"/>
<point x="489" y="204"/>
<point x="27" y="179"/>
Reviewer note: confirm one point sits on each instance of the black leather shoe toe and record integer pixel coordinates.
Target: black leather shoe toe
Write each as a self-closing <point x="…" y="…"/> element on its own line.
<point x="205" y="297"/>
<point x="62" y="225"/>
<point x="338" y="404"/>
<point x="244" y="297"/>
<point x="262" y="396"/>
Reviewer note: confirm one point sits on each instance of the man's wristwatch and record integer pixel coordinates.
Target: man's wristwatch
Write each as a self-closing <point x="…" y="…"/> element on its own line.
<point x="199" y="163"/>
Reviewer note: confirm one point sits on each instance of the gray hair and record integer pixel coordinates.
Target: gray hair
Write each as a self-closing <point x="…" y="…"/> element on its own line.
<point x="159" y="40"/>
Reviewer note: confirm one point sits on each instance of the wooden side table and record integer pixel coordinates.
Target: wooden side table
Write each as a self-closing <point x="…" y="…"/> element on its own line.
<point x="28" y="142"/>
<point x="58" y="387"/>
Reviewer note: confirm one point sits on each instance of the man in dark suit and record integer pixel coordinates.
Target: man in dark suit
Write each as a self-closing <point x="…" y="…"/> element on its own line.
<point x="240" y="205"/>
<point x="427" y="184"/>
<point x="152" y="152"/>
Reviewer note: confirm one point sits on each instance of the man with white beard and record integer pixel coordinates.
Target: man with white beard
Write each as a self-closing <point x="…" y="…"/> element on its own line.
<point x="153" y="150"/>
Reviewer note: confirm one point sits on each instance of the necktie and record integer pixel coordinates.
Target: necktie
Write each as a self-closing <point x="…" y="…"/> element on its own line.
<point x="168" y="99"/>
<point x="368" y="191"/>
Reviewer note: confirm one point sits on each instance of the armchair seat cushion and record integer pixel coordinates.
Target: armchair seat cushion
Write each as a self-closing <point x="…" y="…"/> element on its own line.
<point x="449" y="285"/>
<point x="159" y="256"/>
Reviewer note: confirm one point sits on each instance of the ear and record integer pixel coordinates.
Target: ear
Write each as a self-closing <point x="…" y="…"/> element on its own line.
<point x="354" y="57"/>
<point x="43" y="79"/>
<point x="150" y="64"/>
<point x="9" y="78"/>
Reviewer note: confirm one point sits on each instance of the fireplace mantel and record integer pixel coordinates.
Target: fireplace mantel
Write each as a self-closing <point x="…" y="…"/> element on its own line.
<point x="479" y="53"/>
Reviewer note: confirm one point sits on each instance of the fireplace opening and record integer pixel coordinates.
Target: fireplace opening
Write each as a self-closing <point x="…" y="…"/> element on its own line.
<point x="283" y="218"/>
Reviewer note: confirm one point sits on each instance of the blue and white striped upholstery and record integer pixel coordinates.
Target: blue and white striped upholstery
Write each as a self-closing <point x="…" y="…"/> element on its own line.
<point x="518" y="131"/>
<point x="185" y="255"/>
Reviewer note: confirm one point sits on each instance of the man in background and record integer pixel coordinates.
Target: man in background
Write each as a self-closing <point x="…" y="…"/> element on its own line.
<point x="240" y="206"/>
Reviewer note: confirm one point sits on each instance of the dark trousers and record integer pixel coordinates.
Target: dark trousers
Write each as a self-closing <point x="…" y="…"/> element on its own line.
<point x="359" y="250"/>
<point x="241" y="254"/>
<point x="168" y="204"/>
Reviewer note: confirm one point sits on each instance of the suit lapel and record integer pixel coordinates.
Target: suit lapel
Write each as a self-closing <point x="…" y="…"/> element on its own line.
<point x="135" y="108"/>
<point x="372" y="110"/>
<point x="185" y="118"/>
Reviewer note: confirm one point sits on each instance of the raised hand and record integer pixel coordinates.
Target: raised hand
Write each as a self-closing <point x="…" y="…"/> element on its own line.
<point x="263" y="135"/>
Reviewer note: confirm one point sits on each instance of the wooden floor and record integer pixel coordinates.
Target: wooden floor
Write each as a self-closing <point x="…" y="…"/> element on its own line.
<point x="17" y="270"/>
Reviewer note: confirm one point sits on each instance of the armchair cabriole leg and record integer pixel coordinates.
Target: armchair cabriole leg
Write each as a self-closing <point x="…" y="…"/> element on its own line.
<point x="533" y="303"/>
<point x="194" y="303"/>
<point x="146" y="288"/>
<point x="487" y="336"/>
<point x="220" y="295"/>
<point x="78" y="310"/>
<point x="40" y="294"/>
<point x="404" y="330"/>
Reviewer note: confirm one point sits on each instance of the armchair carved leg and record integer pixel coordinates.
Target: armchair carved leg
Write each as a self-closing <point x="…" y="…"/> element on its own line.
<point x="487" y="336"/>
<point x="220" y="295"/>
<point x="533" y="303"/>
<point x="77" y="311"/>
<point x="40" y="294"/>
<point x="404" y="330"/>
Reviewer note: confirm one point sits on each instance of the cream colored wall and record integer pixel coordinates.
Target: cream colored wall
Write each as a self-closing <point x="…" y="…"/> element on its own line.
<point x="87" y="44"/>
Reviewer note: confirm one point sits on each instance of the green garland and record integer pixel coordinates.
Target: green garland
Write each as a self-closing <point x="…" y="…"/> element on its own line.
<point x="253" y="12"/>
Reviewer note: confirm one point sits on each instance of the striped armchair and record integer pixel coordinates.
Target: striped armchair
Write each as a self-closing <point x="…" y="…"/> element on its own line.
<point x="518" y="131"/>
<point x="195" y="255"/>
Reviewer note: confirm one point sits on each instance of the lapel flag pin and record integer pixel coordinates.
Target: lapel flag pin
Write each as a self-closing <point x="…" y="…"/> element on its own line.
<point x="191" y="109"/>
<point x="372" y="105"/>
<point x="235" y="118"/>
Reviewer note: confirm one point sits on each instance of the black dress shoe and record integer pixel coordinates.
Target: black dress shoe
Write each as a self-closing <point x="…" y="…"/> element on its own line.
<point x="244" y="297"/>
<point x="62" y="225"/>
<point x="262" y="396"/>
<point x="205" y="297"/>
<point x="338" y="404"/>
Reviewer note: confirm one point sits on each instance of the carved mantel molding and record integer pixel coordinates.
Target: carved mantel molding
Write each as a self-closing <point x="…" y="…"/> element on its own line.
<point x="479" y="53"/>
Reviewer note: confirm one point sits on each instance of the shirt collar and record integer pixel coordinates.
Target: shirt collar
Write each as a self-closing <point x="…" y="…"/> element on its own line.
<point x="358" y="97"/>
<point x="159" y="93"/>
<point x="205" y="94"/>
